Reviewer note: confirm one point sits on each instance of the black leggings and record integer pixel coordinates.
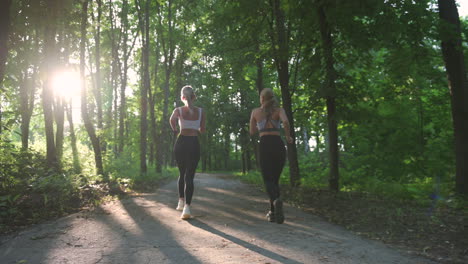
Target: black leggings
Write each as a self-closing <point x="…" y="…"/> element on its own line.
<point x="272" y="159"/>
<point x="187" y="155"/>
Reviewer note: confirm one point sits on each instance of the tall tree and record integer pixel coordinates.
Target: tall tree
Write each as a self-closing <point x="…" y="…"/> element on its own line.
<point x="84" y="94"/>
<point x="50" y="56"/>
<point x="76" y="159"/>
<point x="27" y="96"/>
<point x="98" y="84"/>
<point x="152" y="108"/>
<point x="279" y="34"/>
<point x="29" y="82"/>
<point x="452" y="52"/>
<point x="4" y="30"/>
<point x="166" y="39"/>
<point x="330" y="94"/>
<point x="115" y="39"/>
<point x="143" y="18"/>
<point x="124" y="74"/>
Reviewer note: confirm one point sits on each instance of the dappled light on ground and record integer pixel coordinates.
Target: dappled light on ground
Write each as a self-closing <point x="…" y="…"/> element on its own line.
<point x="228" y="226"/>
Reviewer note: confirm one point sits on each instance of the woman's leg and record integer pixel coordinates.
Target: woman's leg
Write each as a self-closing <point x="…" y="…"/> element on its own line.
<point x="278" y="158"/>
<point x="272" y="159"/>
<point x="180" y="157"/>
<point x="192" y="163"/>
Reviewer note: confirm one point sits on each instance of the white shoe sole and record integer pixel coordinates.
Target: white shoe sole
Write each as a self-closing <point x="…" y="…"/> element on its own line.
<point x="185" y="216"/>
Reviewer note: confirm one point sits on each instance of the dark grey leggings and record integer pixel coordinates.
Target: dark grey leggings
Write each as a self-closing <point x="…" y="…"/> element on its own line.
<point x="272" y="159"/>
<point x="187" y="155"/>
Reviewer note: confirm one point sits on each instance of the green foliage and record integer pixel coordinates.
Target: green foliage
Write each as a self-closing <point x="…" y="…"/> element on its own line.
<point x="124" y="170"/>
<point x="393" y="105"/>
<point x="253" y="177"/>
<point x="31" y="191"/>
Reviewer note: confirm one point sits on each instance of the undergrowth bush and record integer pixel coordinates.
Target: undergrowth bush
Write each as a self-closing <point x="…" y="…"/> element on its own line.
<point x="125" y="169"/>
<point x="30" y="191"/>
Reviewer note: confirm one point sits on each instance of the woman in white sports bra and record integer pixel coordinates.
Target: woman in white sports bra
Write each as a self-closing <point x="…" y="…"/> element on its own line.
<point x="187" y="147"/>
<point x="266" y="120"/>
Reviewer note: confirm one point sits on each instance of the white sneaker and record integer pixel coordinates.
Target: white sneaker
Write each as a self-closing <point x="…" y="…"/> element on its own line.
<point x="180" y="205"/>
<point x="186" y="213"/>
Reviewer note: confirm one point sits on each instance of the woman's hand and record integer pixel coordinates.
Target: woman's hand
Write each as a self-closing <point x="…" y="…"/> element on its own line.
<point x="289" y="139"/>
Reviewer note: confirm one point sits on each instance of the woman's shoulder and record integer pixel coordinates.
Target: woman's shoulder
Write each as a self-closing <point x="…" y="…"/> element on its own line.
<point x="256" y="110"/>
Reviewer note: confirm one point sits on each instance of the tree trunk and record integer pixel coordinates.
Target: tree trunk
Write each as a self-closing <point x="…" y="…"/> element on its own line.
<point x="84" y="96"/>
<point x="168" y="50"/>
<point x="330" y="89"/>
<point x="27" y="95"/>
<point x="259" y="85"/>
<point x="123" y="77"/>
<point x="4" y="31"/>
<point x="98" y="87"/>
<point x="280" y="45"/>
<point x="76" y="158"/>
<point x="259" y="63"/>
<point x="59" y="111"/>
<point x="112" y="111"/>
<point x="227" y="149"/>
<point x="152" y="103"/>
<point x="59" y="102"/>
<point x="47" y="91"/>
<point x="452" y="52"/>
<point x="144" y="27"/>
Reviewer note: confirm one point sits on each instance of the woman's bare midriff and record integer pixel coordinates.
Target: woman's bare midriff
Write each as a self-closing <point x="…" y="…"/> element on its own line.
<point x="189" y="132"/>
<point x="269" y="133"/>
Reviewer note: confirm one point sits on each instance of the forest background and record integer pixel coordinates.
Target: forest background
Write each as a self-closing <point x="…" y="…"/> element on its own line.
<point x="376" y="92"/>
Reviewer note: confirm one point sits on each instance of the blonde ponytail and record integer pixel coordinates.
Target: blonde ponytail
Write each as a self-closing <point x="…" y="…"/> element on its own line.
<point x="269" y="101"/>
<point x="187" y="94"/>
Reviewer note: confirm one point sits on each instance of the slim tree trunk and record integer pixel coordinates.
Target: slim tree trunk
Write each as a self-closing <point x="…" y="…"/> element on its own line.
<point x="327" y="44"/>
<point x="259" y="85"/>
<point x="452" y="52"/>
<point x="168" y="50"/>
<point x="98" y="87"/>
<point x="113" y="111"/>
<point x="144" y="27"/>
<point x="259" y="64"/>
<point x="47" y="91"/>
<point x="123" y="77"/>
<point x="76" y="158"/>
<point x="4" y="32"/>
<point x="27" y="96"/>
<point x="280" y="45"/>
<point x="84" y="96"/>
<point x="59" y="102"/>
<point x="152" y="104"/>
<point x="59" y="112"/>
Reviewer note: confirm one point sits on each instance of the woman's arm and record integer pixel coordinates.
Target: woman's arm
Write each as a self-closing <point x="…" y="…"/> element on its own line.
<point x="253" y="124"/>
<point x="287" y="131"/>
<point x="173" y="120"/>
<point x="203" y="122"/>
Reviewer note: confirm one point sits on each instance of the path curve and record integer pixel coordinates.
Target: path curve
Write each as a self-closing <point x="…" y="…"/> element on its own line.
<point x="229" y="226"/>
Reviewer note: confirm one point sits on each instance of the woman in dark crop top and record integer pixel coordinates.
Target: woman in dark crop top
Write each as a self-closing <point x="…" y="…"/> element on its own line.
<point x="266" y="120"/>
<point x="187" y="148"/>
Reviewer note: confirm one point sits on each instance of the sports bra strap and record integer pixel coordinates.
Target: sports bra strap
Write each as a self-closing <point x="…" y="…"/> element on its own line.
<point x="199" y="113"/>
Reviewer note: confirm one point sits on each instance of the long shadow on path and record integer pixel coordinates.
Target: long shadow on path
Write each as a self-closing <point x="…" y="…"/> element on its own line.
<point x="243" y="243"/>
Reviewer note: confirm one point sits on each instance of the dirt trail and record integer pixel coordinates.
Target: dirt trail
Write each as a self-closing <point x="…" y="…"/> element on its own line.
<point x="229" y="227"/>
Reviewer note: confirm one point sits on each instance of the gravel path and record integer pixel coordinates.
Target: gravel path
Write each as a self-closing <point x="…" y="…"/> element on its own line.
<point x="228" y="226"/>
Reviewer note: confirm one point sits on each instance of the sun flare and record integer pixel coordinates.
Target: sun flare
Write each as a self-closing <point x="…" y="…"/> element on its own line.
<point x="66" y="84"/>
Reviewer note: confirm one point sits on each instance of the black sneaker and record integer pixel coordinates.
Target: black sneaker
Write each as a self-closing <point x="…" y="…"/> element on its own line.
<point x="279" y="215"/>
<point x="271" y="216"/>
